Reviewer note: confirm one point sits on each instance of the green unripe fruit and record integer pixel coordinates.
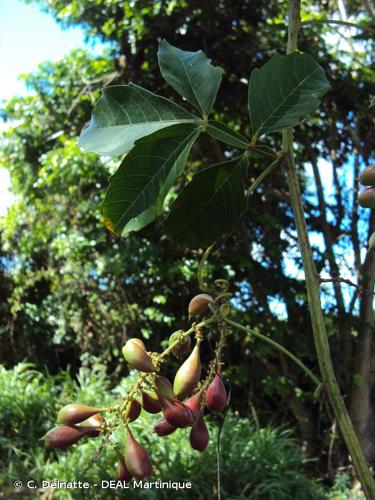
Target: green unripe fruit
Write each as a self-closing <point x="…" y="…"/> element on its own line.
<point x="367" y="198"/>
<point x="62" y="437"/>
<point x="137" y="357"/>
<point x="183" y="347"/>
<point x="188" y="375"/>
<point x="371" y="242"/>
<point x="367" y="176"/>
<point x="76" y="413"/>
<point x="139" y="342"/>
<point x="199" y="304"/>
<point x="163" y="387"/>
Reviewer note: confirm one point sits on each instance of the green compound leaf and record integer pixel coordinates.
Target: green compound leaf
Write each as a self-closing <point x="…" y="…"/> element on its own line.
<point x="126" y="113"/>
<point x="284" y="91"/>
<point x="191" y="74"/>
<point x="210" y="206"/>
<point x="137" y="190"/>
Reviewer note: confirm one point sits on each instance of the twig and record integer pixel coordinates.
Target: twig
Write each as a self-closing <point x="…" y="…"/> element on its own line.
<point x="338" y="279"/>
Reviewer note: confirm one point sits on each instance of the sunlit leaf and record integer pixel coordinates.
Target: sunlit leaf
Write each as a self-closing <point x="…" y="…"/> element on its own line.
<point x="191" y="74"/>
<point x="126" y="113"/>
<point x="138" y="188"/>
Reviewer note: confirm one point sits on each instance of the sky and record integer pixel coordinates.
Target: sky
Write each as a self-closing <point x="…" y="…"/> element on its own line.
<point x="27" y="38"/>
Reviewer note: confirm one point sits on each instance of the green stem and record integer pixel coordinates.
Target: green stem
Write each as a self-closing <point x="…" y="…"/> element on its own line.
<point x="264" y="174"/>
<point x="277" y="346"/>
<point x="337" y="21"/>
<point x="313" y="293"/>
<point x="202" y="284"/>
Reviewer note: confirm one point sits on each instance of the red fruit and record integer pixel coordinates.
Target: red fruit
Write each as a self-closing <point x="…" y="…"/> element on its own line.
<point x="367" y="176"/>
<point x="94" y="423"/>
<point x="367" y="198"/>
<point x="194" y="403"/>
<point x="134" y="411"/>
<point x="164" y="387"/>
<point x="176" y="412"/>
<point x="62" y="437"/>
<point x="150" y="404"/>
<point x="164" y="428"/>
<point x="216" y="396"/>
<point x="123" y="473"/>
<point x="137" y="460"/>
<point x="199" y="435"/>
<point x="76" y="413"/>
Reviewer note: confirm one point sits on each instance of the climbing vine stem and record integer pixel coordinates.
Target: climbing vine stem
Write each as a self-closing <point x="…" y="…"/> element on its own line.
<point x="277" y="346"/>
<point x="313" y="291"/>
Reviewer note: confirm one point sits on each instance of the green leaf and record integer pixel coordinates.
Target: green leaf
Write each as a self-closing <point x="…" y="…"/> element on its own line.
<point x="222" y="133"/>
<point x="137" y="190"/>
<point x="209" y="206"/>
<point x="284" y="91"/>
<point x="124" y="114"/>
<point x="191" y="74"/>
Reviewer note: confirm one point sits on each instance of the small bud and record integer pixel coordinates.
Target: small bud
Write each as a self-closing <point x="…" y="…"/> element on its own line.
<point x="199" y="304"/>
<point x="137" y="460"/>
<point x="62" y="437"/>
<point x="76" y="413"/>
<point x="199" y="435"/>
<point x="137" y="357"/>
<point x="188" y="375"/>
<point x="164" y="428"/>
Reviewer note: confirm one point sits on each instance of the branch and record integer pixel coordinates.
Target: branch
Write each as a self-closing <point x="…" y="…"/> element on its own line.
<point x="338" y="279"/>
<point x="341" y="23"/>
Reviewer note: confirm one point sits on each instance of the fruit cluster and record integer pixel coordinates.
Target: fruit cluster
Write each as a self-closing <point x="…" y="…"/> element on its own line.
<point x="367" y="197"/>
<point x="182" y="403"/>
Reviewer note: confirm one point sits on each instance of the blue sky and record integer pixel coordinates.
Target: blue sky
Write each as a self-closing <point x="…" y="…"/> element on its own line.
<point x="27" y="38"/>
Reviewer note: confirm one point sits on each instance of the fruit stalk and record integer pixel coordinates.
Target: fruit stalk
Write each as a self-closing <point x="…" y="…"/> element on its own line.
<point x="313" y="291"/>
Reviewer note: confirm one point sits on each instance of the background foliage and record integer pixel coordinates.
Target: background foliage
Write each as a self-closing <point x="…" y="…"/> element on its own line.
<point x="71" y="292"/>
